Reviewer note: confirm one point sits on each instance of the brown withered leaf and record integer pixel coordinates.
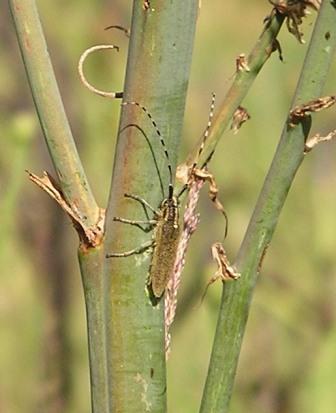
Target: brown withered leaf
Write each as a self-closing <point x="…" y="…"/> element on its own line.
<point x="205" y="175"/>
<point x="146" y="5"/>
<point x="295" y="11"/>
<point x="241" y="63"/>
<point x="225" y="270"/>
<point x="240" y="116"/>
<point x="316" y="105"/>
<point x="316" y="139"/>
<point x="89" y="236"/>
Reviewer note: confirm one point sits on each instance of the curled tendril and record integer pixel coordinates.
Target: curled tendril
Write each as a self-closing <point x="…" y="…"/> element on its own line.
<point x="127" y="32"/>
<point x="86" y="83"/>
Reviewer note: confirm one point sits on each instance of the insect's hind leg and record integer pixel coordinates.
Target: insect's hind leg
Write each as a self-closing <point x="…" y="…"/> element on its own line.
<point x="138" y="250"/>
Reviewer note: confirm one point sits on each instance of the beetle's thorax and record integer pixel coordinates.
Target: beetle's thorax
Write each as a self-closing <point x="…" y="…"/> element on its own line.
<point x="169" y="210"/>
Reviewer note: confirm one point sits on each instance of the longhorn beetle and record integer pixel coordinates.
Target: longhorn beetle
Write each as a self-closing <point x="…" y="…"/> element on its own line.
<point x="166" y="227"/>
<point x="165" y="221"/>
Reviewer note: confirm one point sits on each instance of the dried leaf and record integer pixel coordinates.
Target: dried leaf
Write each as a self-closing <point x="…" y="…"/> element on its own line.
<point x="241" y="63"/>
<point x="295" y="11"/>
<point x="89" y="236"/>
<point x="225" y="271"/>
<point x="239" y="117"/>
<point x="316" y="139"/>
<point x="205" y="175"/>
<point x="300" y="112"/>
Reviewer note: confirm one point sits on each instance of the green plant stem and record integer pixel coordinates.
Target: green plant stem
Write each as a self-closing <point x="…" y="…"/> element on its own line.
<point x="237" y="296"/>
<point x="242" y="83"/>
<point x="91" y="262"/>
<point x="73" y="182"/>
<point x="157" y="77"/>
<point x="50" y="110"/>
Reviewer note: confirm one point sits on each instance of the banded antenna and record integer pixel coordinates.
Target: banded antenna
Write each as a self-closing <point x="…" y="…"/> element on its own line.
<point x="202" y="173"/>
<point x="205" y="137"/>
<point x="206" y="132"/>
<point x="157" y="130"/>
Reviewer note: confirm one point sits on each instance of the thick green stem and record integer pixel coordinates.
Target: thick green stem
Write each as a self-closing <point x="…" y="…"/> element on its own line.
<point x="157" y="77"/>
<point x="237" y="296"/>
<point x="50" y="110"/>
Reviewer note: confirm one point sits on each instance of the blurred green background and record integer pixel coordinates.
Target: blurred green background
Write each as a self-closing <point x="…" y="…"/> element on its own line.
<point x="289" y="356"/>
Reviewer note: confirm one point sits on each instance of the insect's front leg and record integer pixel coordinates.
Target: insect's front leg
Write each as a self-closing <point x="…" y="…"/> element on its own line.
<point x="142" y="201"/>
<point x="150" y="223"/>
<point x="139" y="250"/>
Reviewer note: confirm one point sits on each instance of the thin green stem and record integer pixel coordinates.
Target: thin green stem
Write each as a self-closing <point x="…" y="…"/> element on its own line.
<point x="237" y="296"/>
<point x="50" y="110"/>
<point x="72" y="179"/>
<point x="242" y="83"/>
<point x="157" y="77"/>
<point x="91" y="262"/>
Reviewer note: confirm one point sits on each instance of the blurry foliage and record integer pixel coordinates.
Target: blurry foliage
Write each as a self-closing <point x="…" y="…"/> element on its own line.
<point x="288" y="353"/>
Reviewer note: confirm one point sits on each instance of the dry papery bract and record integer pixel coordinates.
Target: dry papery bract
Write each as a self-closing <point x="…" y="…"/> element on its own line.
<point x="194" y="178"/>
<point x="190" y="222"/>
